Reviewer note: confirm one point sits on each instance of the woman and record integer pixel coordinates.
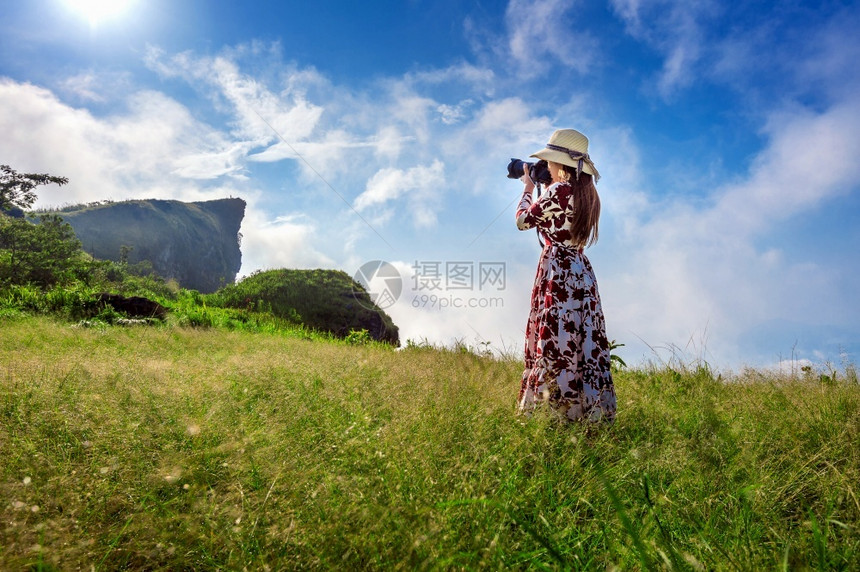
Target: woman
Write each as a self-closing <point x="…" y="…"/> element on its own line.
<point x="567" y="351"/>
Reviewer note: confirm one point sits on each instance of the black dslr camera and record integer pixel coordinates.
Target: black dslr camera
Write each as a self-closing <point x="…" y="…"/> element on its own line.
<point x="539" y="172"/>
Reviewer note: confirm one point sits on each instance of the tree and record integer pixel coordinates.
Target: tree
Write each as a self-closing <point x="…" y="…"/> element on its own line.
<point x="18" y="189"/>
<point x="43" y="254"/>
<point x="124" y="251"/>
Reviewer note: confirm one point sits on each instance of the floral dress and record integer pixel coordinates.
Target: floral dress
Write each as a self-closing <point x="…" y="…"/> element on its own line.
<point x="566" y="350"/>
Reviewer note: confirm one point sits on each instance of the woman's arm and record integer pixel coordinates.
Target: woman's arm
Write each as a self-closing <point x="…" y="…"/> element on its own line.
<point x="539" y="213"/>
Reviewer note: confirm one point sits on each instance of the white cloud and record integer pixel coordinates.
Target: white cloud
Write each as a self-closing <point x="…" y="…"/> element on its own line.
<point x="812" y="157"/>
<point x="275" y="119"/>
<point x="261" y="116"/>
<point x="211" y="165"/>
<point x="452" y="114"/>
<point x="674" y="28"/>
<point x="385" y="185"/>
<point x="478" y="79"/>
<point x="692" y="272"/>
<point x="119" y="156"/>
<point x="87" y="86"/>
<point x="542" y="32"/>
<point x="389" y="142"/>
<point x="282" y="242"/>
<point x="422" y="184"/>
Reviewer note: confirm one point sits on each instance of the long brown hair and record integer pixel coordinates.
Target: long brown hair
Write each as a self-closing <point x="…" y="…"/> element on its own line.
<point x="586" y="202"/>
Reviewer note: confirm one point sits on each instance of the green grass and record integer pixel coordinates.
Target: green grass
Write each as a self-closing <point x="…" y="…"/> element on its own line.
<point x="171" y="448"/>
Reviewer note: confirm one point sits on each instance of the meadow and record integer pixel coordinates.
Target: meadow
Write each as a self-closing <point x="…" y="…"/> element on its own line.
<point x="171" y="447"/>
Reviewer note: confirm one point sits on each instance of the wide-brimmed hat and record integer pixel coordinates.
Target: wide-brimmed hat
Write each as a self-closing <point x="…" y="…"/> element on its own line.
<point x="569" y="147"/>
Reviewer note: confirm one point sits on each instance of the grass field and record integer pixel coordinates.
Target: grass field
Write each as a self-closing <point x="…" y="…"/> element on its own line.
<point x="168" y="448"/>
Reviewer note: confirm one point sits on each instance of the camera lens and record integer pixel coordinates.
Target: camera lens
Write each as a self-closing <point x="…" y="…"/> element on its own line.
<point x="516" y="168"/>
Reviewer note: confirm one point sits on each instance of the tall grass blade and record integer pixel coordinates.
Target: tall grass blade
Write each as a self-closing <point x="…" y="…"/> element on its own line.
<point x="665" y="538"/>
<point x="541" y="539"/>
<point x="641" y="551"/>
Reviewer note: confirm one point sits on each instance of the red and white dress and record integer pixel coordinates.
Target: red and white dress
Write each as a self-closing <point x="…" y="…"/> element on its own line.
<point x="567" y="351"/>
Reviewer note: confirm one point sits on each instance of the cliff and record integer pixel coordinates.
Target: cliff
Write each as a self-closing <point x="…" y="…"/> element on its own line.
<point x="195" y="243"/>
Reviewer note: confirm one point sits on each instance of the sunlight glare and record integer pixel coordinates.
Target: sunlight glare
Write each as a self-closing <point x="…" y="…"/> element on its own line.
<point x="97" y="11"/>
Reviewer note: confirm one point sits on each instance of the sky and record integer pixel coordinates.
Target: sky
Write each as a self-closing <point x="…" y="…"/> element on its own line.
<point x="727" y="137"/>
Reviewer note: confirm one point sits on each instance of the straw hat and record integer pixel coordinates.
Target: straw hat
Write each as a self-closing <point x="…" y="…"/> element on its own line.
<point x="569" y="147"/>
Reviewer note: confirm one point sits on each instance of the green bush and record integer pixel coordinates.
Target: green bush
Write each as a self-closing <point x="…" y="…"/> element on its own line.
<point x="24" y="298"/>
<point x="74" y="303"/>
<point x="358" y="337"/>
<point x="325" y="300"/>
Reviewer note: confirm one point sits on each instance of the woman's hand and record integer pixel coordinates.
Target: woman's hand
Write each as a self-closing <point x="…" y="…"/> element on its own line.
<point x="530" y="185"/>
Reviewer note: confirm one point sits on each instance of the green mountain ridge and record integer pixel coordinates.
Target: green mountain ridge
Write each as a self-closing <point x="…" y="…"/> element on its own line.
<point x="195" y="243"/>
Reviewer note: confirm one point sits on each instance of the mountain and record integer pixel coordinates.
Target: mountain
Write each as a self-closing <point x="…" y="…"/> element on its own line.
<point x="196" y="243"/>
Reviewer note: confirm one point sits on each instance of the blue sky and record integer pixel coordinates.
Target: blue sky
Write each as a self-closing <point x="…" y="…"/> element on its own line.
<point x="727" y="137"/>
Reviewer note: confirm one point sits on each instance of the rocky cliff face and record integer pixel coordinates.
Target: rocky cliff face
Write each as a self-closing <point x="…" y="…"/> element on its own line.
<point x="195" y="243"/>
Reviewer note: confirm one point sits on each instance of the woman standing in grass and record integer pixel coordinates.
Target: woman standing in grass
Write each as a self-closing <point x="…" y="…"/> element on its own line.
<point x="567" y="351"/>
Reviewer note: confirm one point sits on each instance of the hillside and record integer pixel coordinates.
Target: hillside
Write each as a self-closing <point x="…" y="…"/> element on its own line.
<point x="195" y="243"/>
<point x="325" y="300"/>
<point x="203" y="449"/>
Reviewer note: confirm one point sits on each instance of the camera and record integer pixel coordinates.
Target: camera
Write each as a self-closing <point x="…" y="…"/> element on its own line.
<point x="539" y="172"/>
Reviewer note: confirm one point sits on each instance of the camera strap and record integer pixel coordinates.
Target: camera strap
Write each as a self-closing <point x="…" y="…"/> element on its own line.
<point x="541" y="238"/>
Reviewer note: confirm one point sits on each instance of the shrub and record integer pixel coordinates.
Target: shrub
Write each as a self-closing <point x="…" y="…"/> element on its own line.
<point x="43" y="254"/>
<point x="358" y="337"/>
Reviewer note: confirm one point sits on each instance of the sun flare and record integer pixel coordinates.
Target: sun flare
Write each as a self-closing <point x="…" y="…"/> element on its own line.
<point x="97" y="11"/>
